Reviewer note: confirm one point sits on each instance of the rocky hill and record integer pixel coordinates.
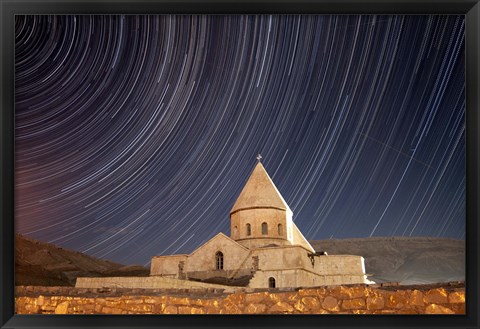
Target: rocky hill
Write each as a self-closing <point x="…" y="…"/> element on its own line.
<point x="43" y="264"/>
<point x="407" y="260"/>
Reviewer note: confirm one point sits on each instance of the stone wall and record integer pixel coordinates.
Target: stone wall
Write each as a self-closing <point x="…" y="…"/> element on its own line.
<point x="291" y="266"/>
<point x="167" y="265"/>
<point x="302" y="278"/>
<point x="353" y="299"/>
<point x="148" y="282"/>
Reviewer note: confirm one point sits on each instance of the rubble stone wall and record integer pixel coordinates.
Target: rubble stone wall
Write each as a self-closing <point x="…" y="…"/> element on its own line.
<point x="351" y="299"/>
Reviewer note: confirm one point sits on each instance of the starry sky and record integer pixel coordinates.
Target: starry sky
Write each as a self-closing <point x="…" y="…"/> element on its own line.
<point x="135" y="134"/>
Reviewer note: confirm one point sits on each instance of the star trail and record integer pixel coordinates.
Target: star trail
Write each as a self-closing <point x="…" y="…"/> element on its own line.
<point x="134" y="135"/>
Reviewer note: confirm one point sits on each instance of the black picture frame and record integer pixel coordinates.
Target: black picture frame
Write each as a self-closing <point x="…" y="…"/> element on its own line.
<point x="8" y="9"/>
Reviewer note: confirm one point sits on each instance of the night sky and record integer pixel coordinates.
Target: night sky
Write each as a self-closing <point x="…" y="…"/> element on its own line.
<point x="135" y="134"/>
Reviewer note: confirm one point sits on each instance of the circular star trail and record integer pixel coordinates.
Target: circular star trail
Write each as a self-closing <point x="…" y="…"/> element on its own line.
<point x="135" y="134"/>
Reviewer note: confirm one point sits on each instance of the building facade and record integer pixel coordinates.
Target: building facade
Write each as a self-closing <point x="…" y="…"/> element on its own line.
<point x="265" y="248"/>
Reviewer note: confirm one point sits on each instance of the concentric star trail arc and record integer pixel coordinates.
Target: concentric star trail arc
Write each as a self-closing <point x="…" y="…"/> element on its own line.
<point x="135" y="134"/>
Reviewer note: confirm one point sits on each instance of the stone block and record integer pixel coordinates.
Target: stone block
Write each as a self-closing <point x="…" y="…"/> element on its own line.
<point x="133" y="301"/>
<point x="281" y="307"/>
<point x="438" y="309"/>
<point x="236" y="298"/>
<point x="320" y="311"/>
<point x="397" y="299"/>
<point x="339" y="292"/>
<point x="375" y="303"/>
<point x="356" y="292"/>
<point x="407" y="310"/>
<point x="190" y="310"/>
<point x="275" y="297"/>
<point x="89" y="307"/>
<point x="354" y="304"/>
<point x="143" y="308"/>
<point x="311" y="303"/>
<point x="458" y="308"/>
<point x="32" y="308"/>
<point x="361" y="312"/>
<point x="62" y="308"/>
<point x="197" y="310"/>
<point x="158" y="308"/>
<point x="111" y="310"/>
<point x="100" y="301"/>
<point x="211" y="310"/>
<point x="416" y="298"/>
<point x="112" y="303"/>
<point x="170" y="309"/>
<point x="307" y="292"/>
<point x="456" y="297"/>
<point x="300" y="306"/>
<point x="331" y="304"/>
<point x="290" y="297"/>
<point x="48" y="309"/>
<point x="255" y="308"/>
<point x="98" y="308"/>
<point x="255" y="297"/>
<point x="228" y="307"/>
<point x="385" y="312"/>
<point x="436" y="296"/>
<point x="175" y="301"/>
<point x="321" y="292"/>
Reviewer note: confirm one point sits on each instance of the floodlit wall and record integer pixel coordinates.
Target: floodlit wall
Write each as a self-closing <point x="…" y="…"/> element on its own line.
<point x="203" y="259"/>
<point x="201" y="264"/>
<point x="290" y="265"/>
<point x="339" y="265"/>
<point x="360" y="299"/>
<point x="167" y="265"/>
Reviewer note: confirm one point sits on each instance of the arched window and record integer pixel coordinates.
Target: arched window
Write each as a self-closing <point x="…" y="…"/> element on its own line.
<point x="279" y="229"/>
<point x="235" y="231"/>
<point x="264" y="228"/>
<point x="271" y="282"/>
<point x="219" y="260"/>
<point x="249" y="229"/>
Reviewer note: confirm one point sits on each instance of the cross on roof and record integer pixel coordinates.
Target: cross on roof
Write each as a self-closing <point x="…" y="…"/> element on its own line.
<point x="259" y="156"/>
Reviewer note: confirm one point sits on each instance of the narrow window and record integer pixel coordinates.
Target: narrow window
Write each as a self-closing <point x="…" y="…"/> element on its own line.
<point x="249" y="229"/>
<point x="235" y="231"/>
<point x="264" y="228"/>
<point x="279" y="229"/>
<point x="271" y="282"/>
<point x="219" y="260"/>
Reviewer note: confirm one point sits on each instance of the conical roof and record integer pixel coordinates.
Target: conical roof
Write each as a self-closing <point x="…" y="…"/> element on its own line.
<point x="260" y="192"/>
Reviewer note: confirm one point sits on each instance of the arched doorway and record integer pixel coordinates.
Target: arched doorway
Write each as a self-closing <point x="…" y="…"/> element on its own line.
<point x="271" y="282"/>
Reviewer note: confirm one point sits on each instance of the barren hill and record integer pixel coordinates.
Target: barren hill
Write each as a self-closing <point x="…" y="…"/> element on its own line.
<point x="407" y="260"/>
<point x="44" y="264"/>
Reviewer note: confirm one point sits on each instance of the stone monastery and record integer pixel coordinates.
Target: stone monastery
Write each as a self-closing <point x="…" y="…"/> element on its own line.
<point x="265" y="250"/>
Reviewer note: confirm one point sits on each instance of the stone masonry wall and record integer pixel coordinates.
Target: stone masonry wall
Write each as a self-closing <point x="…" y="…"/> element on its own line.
<point x="352" y="299"/>
<point x="147" y="282"/>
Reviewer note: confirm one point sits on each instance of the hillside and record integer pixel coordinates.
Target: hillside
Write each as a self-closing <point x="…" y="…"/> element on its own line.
<point x="407" y="260"/>
<point x="43" y="264"/>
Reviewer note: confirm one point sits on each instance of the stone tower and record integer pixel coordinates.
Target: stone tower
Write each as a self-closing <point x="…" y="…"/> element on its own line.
<point x="261" y="218"/>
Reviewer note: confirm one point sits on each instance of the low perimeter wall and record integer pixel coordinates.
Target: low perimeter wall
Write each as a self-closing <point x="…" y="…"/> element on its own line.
<point x="147" y="282"/>
<point x="356" y="299"/>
